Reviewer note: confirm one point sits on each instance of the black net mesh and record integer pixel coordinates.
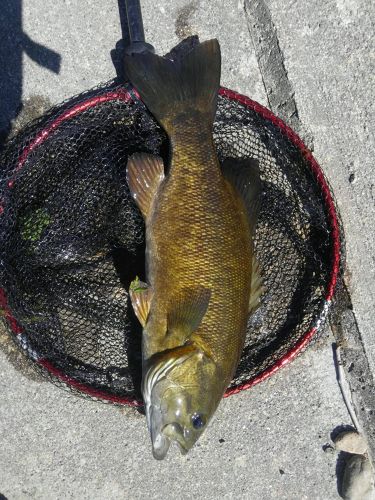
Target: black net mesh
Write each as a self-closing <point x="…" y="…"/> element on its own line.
<point x="72" y="239"/>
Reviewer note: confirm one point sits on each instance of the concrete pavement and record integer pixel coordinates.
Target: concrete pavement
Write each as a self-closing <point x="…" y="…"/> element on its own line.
<point x="266" y="443"/>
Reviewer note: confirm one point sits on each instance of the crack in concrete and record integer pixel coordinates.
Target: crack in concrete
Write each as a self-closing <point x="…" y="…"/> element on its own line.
<point x="279" y="91"/>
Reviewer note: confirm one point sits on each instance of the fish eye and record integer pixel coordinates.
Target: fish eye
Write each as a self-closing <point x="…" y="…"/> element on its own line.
<point x="197" y="421"/>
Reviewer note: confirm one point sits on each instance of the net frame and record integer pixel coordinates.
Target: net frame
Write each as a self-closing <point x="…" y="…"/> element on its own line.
<point x="126" y="95"/>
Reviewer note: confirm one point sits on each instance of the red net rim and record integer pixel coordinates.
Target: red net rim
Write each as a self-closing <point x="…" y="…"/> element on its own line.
<point x="265" y="113"/>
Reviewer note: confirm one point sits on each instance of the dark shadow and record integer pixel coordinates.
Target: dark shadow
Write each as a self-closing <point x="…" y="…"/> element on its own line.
<point x="14" y="43"/>
<point x="341" y="428"/>
<point x="128" y="266"/>
<point x="342" y="457"/>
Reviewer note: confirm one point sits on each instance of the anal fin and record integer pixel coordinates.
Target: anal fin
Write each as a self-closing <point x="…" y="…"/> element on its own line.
<point x="144" y="173"/>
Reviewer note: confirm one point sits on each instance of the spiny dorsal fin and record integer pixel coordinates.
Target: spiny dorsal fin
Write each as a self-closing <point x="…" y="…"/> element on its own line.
<point x="244" y="176"/>
<point x="257" y="287"/>
<point x="187" y="311"/>
<point x="144" y="173"/>
<point x="140" y="295"/>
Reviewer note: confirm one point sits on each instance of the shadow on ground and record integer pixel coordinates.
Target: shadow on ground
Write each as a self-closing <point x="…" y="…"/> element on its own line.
<point x="14" y="43"/>
<point x="342" y="457"/>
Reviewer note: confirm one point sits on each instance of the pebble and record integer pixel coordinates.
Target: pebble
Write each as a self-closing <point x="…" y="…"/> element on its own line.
<point x="358" y="482"/>
<point x="351" y="442"/>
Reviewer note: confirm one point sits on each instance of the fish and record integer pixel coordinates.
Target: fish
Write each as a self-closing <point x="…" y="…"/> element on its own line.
<point x="202" y="278"/>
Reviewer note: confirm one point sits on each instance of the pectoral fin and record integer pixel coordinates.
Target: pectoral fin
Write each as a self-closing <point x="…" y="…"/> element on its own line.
<point x="187" y="311"/>
<point x="257" y="287"/>
<point x="140" y="295"/>
<point x="244" y="176"/>
<point x="144" y="173"/>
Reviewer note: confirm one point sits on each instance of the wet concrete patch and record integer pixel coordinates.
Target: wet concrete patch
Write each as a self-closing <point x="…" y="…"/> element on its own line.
<point x="183" y="27"/>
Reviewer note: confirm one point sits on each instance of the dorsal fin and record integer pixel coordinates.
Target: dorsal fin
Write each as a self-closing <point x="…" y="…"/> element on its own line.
<point x="244" y="176"/>
<point x="144" y="173"/>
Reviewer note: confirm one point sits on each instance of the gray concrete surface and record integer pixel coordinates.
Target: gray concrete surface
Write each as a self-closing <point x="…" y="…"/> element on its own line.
<point x="54" y="445"/>
<point x="85" y="36"/>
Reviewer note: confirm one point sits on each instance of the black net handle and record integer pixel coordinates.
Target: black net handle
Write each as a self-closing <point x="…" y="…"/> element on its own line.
<point x="135" y="27"/>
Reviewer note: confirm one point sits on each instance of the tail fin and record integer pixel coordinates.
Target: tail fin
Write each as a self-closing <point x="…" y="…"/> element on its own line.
<point x="172" y="87"/>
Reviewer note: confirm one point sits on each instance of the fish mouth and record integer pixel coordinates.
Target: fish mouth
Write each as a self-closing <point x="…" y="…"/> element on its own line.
<point x="160" y="442"/>
<point x="162" y="437"/>
<point x="176" y="433"/>
<point x="160" y="446"/>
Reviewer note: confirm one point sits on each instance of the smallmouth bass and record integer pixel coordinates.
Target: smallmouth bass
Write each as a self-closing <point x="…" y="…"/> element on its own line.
<point x="202" y="279"/>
